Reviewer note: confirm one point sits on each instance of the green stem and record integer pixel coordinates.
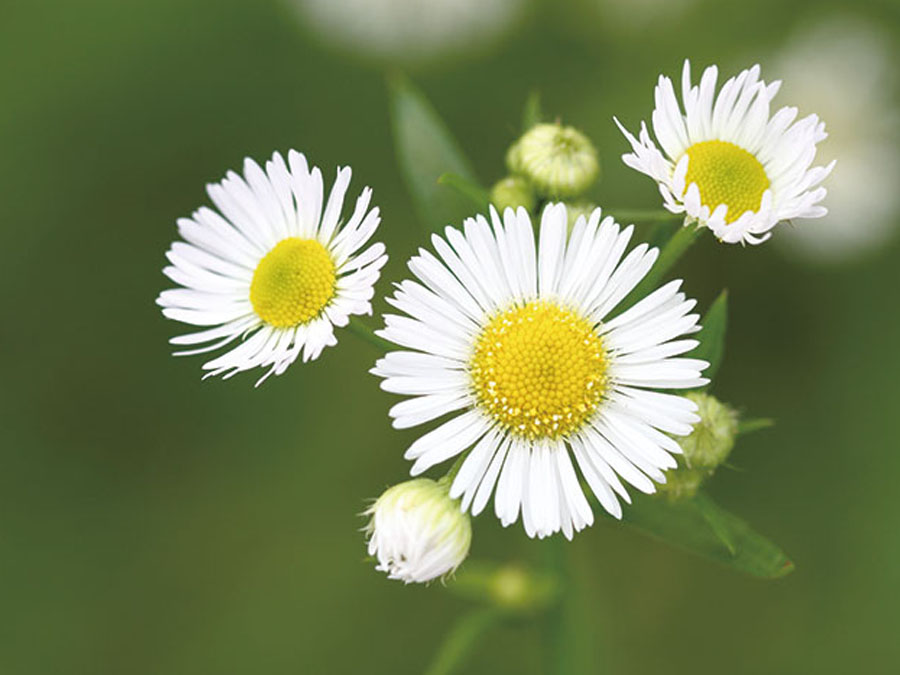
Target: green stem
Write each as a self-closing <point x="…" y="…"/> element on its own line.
<point x="360" y="329"/>
<point x="569" y="647"/>
<point x="461" y="640"/>
<point x="643" y="216"/>
<point x="670" y="254"/>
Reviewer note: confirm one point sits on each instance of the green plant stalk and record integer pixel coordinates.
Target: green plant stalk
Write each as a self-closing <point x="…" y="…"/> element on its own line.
<point x="627" y="216"/>
<point x="568" y="646"/>
<point x="462" y="639"/>
<point x="360" y="329"/>
<point x="680" y="241"/>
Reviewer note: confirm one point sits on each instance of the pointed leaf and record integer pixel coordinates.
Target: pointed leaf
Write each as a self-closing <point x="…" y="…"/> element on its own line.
<point x="425" y="151"/>
<point x="712" y="335"/>
<point x="532" y="114"/>
<point x="477" y="196"/>
<point x="754" y="424"/>
<point x="702" y="527"/>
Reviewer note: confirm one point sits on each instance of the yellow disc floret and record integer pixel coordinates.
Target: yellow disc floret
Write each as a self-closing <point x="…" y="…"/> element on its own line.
<point x="726" y="174"/>
<point x="293" y="282"/>
<point x="539" y="370"/>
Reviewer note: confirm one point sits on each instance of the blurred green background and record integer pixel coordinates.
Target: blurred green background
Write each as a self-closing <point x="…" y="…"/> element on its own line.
<point x="156" y="524"/>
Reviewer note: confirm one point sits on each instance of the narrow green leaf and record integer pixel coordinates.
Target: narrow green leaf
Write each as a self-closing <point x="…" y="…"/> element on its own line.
<point x="532" y="113"/>
<point x="701" y="527"/>
<point x="477" y="196"/>
<point x="425" y="151"/>
<point x="712" y="514"/>
<point x="754" y="424"/>
<point x="712" y="335"/>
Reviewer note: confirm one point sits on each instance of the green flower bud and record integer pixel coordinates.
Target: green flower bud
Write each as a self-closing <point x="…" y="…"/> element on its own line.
<point x="417" y="532"/>
<point x="509" y="586"/>
<point x="708" y="445"/>
<point x="559" y="161"/>
<point x="512" y="192"/>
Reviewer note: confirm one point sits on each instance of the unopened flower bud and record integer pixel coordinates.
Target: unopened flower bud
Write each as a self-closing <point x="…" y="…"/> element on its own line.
<point x="707" y="446"/>
<point x="417" y="532"/>
<point x="512" y="192"/>
<point x="559" y="161"/>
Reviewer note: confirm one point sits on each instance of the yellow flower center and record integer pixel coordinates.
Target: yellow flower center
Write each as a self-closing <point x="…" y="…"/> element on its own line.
<point x="726" y="174"/>
<point x="292" y="283"/>
<point x="539" y="370"/>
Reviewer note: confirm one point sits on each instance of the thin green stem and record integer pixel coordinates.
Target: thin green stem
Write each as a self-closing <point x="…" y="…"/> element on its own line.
<point x="360" y="329"/>
<point x="462" y="639"/>
<point x="680" y="241"/>
<point x="643" y="215"/>
<point x="571" y="646"/>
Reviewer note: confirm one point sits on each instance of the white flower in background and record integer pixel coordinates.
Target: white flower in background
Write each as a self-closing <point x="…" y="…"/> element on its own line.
<point x="516" y="341"/>
<point x="845" y="68"/>
<point x="725" y="162"/>
<point x="272" y="269"/>
<point x="417" y="532"/>
<point x="410" y="30"/>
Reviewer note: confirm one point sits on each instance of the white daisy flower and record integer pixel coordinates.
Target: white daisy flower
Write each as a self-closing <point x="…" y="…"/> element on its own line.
<point x="725" y="163"/>
<point x="516" y="341"/>
<point x="272" y="269"/>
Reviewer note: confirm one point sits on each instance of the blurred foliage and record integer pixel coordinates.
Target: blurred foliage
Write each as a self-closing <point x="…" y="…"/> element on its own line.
<point x="152" y="523"/>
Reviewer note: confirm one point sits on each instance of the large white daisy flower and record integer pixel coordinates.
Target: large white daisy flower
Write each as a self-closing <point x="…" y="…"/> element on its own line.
<point x="516" y="341"/>
<point x="272" y="268"/>
<point x="725" y="163"/>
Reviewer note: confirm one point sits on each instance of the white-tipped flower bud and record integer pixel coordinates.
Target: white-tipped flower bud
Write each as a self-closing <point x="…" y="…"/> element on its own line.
<point x="559" y="161"/>
<point x="708" y="445"/>
<point x="513" y="192"/>
<point x="417" y="532"/>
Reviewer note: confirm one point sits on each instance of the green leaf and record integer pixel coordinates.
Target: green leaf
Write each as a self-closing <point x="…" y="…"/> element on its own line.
<point x="532" y="113"/>
<point x="712" y="335"/>
<point x="426" y="151"/>
<point x="702" y="527"/>
<point x="477" y="196"/>
<point x="754" y="424"/>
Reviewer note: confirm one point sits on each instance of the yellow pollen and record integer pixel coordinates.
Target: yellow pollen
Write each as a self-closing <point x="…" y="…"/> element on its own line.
<point x="726" y="174"/>
<point x="539" y="370"/>
<point x="292" y="283"/>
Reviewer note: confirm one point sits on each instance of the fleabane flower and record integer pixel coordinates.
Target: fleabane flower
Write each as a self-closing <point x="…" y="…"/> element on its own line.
<point x="417" y="532"/>
<point x="275" y="268"/>
<point x="515" y="339"/>
<point x="725" y="162"/>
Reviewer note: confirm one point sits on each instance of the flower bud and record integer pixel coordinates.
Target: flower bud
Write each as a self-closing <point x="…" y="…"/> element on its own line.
<point x="559" y="161"/>
<point x="417" y="532"/>
<point x="707" y="446"/>
<point x="512" y="192"/>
